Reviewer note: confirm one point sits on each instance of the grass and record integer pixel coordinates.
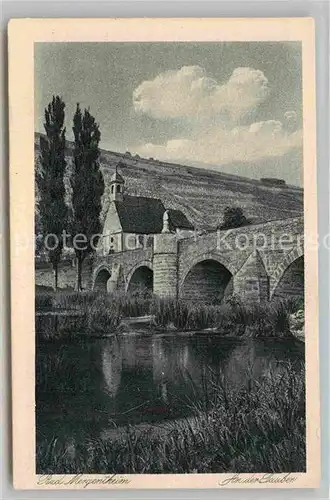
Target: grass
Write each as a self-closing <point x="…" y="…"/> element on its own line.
<point x="256" y="428"/>
<point x="171" y="313"/>
<point x="77" y="314"/>
<point x="134" y="304"/>
<point x="85" y="313"/>
<point x="232" y="317"/>
<point x="96" y="313"/>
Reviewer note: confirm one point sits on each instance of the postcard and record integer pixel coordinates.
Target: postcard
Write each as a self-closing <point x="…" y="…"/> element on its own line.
<point x="164" y="286"/>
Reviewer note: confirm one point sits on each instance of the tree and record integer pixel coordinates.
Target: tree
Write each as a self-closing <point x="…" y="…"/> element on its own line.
<point x="233" y="217"/>
<point x="50" y="182"/>
<point x="87" y="187"/>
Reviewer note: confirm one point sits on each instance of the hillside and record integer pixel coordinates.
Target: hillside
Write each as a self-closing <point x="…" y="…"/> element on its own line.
<point x="201" y="194"/>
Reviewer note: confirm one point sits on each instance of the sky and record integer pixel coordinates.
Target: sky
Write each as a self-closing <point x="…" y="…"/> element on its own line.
<point x="235" y="107"/>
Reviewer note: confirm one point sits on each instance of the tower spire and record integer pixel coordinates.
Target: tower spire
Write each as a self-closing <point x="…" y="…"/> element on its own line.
<point x="116" y="185"/>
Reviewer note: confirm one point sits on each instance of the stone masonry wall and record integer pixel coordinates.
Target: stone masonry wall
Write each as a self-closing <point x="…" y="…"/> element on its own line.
<point x="171" y="261"/>
<point x="223" y="246"/>
<point x="67" y="275"/>
<point x="165" y="265"/>
<point x="128" y="262"/>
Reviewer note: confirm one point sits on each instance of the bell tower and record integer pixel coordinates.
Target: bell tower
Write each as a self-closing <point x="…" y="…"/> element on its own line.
<point x="117" y="185"/>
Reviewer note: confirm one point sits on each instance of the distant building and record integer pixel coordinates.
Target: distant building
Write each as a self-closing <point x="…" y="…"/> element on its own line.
<point x="131" y="221"/>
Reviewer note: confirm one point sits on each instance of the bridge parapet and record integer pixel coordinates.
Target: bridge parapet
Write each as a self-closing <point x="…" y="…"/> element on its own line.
<point x="250" y="261"/>
<point x="269" y="233"/>
<point x="255" y="255"/>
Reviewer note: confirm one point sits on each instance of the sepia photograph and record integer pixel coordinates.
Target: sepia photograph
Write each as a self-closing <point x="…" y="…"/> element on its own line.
<point x="169" y="285"/>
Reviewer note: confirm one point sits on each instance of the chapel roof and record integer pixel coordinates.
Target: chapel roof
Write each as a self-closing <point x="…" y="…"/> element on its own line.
<point x="179" y="220"/>
<point x="139" y="214"/>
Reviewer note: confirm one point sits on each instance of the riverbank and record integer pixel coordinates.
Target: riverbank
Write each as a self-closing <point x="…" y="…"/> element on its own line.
<point x="67" y="315"/>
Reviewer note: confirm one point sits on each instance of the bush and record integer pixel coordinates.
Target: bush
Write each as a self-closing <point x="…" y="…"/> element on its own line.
<point x="297" y="323"/>
<point x="233" y="217"/>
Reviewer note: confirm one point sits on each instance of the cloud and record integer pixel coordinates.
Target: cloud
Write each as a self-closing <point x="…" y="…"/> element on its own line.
<point x="190" y="93"/>
<point x="220" y="147"/>
<point x="215" y="133"/>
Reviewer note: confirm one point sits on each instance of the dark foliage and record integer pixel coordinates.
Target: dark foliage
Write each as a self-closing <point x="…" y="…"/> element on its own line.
<point x="233" y="217"/>
<point x="87" y="186"/>
<point x="50" y="182"/>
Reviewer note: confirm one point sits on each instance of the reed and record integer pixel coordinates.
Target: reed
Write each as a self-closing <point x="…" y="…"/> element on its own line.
<point x="85" y="313"/>
<point x="232" y="317"/>
<point x="181" y="315"/>
<point x="78" y="314"/>
<point x="131" y="305"/>
<point x="95" y="311"/>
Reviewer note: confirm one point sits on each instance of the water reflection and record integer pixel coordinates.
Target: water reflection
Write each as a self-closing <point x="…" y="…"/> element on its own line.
<point x="132" y="379"/>
<point x="112" y="363"/>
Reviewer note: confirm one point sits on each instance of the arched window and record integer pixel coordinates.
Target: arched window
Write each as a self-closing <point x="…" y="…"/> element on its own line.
<point x="112" y="187"/>
<point x="118" y="188"/>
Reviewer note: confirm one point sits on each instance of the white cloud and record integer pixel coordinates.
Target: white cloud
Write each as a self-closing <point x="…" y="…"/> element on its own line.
<point x="215" y="134"/>
<point x="219" y="146"/>
<point x="191" y="93"/>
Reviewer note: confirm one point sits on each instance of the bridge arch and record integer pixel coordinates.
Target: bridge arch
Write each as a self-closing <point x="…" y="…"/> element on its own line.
<point x="140" y="278"/>
<point x="288" y="278"/>
<point x="208" y="279"/>
<point x="101" y="277"/>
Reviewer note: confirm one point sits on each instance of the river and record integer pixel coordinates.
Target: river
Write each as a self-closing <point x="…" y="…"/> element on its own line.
<point x="88" y="387"/>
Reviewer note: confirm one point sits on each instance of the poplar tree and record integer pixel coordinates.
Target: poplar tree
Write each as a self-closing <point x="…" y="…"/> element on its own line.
<point x="50" y="183"/>
<point x="87" y="187"/>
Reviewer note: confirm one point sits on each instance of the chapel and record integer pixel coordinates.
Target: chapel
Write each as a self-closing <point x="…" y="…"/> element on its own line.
<point x="131" y="221"/>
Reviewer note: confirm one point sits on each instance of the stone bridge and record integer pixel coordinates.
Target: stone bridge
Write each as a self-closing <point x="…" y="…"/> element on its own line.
<point x="258" y="262"/>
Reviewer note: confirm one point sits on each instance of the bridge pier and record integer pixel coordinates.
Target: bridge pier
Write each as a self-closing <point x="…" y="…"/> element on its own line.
<point x="165" y="263"/>
<point x="251" y="282"/>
